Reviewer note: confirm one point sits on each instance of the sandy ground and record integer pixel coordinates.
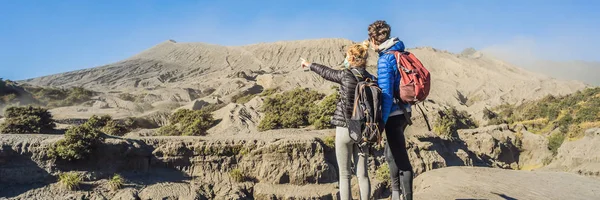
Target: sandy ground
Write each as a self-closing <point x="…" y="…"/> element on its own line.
<point x="489" y="183"/>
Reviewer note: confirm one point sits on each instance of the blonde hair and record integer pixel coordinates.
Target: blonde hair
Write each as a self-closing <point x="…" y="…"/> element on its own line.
<point x="357" y="55"/>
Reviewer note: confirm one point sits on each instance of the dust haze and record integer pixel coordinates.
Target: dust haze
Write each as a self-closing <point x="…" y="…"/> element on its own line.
<point x="549" y="59"/>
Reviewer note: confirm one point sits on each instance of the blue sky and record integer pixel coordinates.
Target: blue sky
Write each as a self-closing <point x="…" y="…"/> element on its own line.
<point x="46" y="37"/>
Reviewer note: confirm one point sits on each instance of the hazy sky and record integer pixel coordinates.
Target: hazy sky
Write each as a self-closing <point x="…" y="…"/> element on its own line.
<point x="47" y="37"/>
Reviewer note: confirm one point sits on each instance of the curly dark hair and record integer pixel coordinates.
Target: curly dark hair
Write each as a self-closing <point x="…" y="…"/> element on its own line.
<point x="379" y="31"/>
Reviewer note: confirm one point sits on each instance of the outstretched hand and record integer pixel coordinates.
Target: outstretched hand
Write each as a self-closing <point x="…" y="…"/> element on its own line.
<point x="304" y="63"/>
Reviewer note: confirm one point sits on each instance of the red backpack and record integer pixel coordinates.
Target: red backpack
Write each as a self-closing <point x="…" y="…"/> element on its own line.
<point x="415" y="79"/>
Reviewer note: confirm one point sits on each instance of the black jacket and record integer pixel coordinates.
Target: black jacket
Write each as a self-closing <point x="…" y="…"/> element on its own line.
<point x="347" y="81"/>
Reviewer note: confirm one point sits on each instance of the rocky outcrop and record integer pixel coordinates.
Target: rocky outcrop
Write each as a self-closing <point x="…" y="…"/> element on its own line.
<point x="493" y="144"/>
<point x="534" y="150"/>
<point x="580" y="156"/>
<point x="238" y="118"/>
<point x="242" y="166"/>
<point x="22" y="159"/>
<point x="278" y="162"/>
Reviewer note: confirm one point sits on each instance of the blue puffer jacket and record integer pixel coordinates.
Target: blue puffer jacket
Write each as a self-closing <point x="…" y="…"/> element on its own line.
<point x="389" y="78"/>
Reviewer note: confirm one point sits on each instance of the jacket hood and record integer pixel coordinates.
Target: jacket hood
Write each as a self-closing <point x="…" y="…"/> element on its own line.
<point x="392" y="44"/>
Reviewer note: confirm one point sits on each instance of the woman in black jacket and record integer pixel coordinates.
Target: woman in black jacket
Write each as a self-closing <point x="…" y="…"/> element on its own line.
<point x="345" y="148"/>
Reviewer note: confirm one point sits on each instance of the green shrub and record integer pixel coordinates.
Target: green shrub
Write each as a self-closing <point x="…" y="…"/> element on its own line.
<point x="383" y="172"/>
<point x="450" y="120"/>
<point x="565" y="121"/>
<point x="492" y="117"/>
<point x="47" y="94"/>
<point x="329" y="141"/>
<point x="212" y="107"/>
<point x="562" y="112"/>
<point x="114" y="128"/>
<point x="576" y="131"/>
<point x="242" y="98"/>
<point x="555" y="141"/>
<point x="54" y="97"/>
<point x="269" y="122"/>
<point x="98" y="122"/>
<point x="107" y="125"/>
<point x="188" y="122"/>
<point x="198" y="127"/>
<point x="320" y="116"/>
<point x="237" y="175"/>
<point x="169" y="130"/>
<point x="9" y="92"/>
<point x="27" y="120"/>
<point x="506" y="112"/>
<point x="115" y="182"/>
<point x="78" y="95"/>
<point x="78" y="143"/>
<point x="269" y="92"/>
<point x="590" y="113"/>
<point x="289" y="110"/>
<point x="245" y="151"/>
<point x="70" y="180"/>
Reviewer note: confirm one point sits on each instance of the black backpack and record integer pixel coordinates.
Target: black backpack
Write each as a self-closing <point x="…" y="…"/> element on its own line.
<point x="365" y="124"/>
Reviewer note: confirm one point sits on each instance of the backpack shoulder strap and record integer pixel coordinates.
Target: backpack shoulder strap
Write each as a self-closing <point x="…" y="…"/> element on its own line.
<point x="397" y="56"/>
<point x="356" y="91"/>
<point x="356" y="74"/>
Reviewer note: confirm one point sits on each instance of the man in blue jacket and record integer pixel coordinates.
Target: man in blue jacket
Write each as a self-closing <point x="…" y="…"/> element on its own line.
<point x="393" y="110"/>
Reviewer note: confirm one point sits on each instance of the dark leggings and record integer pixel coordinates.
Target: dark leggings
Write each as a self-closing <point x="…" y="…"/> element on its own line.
<point x="401" y="171"/>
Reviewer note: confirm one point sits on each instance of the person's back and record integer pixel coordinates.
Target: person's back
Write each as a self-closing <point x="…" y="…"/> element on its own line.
<point x="394" y="112"/>
<point x="389" y="78"/>
<point x="345" y="148"/>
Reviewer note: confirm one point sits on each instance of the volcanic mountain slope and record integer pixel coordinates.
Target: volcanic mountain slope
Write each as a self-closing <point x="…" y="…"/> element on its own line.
<point x="173" y="64"/>
<point x="470" y="80"/>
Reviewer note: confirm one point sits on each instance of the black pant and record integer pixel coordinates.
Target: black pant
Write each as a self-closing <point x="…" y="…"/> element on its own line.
<point x="401" y="171"/>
